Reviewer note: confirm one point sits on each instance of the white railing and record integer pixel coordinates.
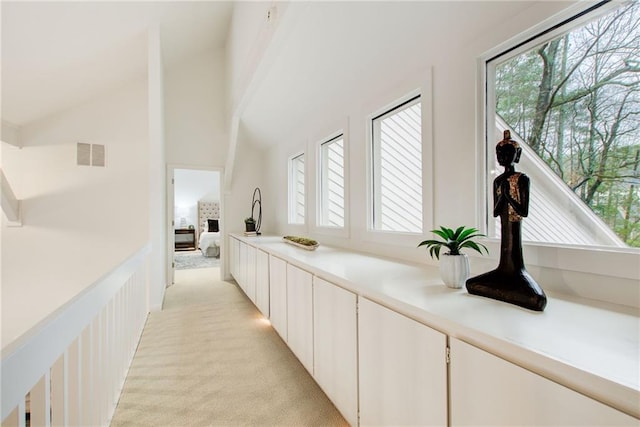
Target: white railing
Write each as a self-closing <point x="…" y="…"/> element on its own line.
<point x="70" y="368"/>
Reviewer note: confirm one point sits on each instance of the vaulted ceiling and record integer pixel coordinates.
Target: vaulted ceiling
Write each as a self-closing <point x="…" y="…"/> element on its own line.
<point x="58" y="54"/>
<point x="335" y="55"/>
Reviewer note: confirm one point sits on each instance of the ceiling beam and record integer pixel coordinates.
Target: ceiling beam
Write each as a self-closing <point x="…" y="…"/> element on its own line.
<point x="10" y="204"/>
<point x="277" y="26"/>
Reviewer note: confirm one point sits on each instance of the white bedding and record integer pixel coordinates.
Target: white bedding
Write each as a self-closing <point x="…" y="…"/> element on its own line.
<point x="208" y="239"/>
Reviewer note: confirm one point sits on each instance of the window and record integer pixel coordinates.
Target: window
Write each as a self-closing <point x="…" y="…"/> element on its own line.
<point x="331" y="188"/>
<point x="397" y="169"/>
<point x="296" y="190"/>
<point x="572" y="99"/>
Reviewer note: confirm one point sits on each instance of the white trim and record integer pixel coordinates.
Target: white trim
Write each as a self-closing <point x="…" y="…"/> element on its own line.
<point x="533" y="32"/>
<point x="602" y="261"/>
<point x="171" y="168"/>
<point x="341" y="130"/>
<point x="421" y="83"/>
<point x="26" y="359"/>
<point x="291" y="190"/>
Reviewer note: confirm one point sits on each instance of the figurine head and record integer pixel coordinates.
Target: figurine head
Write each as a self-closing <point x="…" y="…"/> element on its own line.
<point x="508" y="151"/>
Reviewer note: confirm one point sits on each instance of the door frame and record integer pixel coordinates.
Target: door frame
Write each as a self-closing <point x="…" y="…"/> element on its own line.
<point x="170" y="187"/>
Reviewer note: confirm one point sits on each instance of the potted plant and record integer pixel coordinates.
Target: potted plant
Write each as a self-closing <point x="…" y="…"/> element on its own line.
<point x="454" y="266"/>
<point x="249" y="224"/>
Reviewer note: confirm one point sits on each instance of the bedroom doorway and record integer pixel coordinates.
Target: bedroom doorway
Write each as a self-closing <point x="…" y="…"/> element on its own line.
<point x="194" y="212"/>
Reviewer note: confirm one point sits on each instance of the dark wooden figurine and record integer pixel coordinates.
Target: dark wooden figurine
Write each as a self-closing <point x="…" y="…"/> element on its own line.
<point x="510" y="282"/>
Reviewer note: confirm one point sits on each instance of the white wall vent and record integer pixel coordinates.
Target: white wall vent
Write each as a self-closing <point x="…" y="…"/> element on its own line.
<point x="84" y="154"/>
<point x="97" y="155"/>
<point x="91" y="154"/>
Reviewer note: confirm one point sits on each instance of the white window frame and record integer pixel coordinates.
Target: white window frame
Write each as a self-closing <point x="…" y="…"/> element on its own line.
<point x="376" y="163"/>
<point x="292" y="195"/>
<point x="606" y="261"/>
<point x="420" y="84"/>
<point x="320" y="185"/>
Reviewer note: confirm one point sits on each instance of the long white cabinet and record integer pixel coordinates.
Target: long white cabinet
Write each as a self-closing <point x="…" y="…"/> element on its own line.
<point x="316" y="319"/>
<point x="381" y="366"/>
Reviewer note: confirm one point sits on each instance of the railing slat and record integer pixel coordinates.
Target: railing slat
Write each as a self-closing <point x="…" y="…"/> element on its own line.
<point x="86" y="378"/>
<point x="72" y="373"/>
<point x="13" y="419"/>
<point x="58" y="395"/>
<point x="74" y="362"/>
<point x="40" y="407"/>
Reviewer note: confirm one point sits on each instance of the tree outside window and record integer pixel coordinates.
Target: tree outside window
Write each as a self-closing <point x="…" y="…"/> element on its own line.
<point x="575" y="100"/>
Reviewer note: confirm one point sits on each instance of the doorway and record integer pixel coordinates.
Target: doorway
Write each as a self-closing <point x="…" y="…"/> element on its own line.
<point x="194" y="212"/>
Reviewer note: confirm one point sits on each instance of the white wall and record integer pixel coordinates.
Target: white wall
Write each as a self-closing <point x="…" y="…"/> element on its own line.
<point x="398" y="54"/>
<point x="190" y="187"/>
<point x="250" y="172"/>
<point x="158" y="222"/>
<point x="450" y="41"/>
<point x="194" y="94"/>
<point x="79" y="222"/>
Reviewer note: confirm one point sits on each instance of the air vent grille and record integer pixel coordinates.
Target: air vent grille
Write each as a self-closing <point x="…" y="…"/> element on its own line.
<point x="91" y="155"/>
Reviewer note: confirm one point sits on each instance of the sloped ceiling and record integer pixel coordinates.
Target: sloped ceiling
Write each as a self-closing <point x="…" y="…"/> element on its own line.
<point x="338" y="52"/>
<point x="58" y="54"/>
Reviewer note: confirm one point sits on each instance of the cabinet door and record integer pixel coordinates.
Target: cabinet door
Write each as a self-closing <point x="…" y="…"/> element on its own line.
<point x="234" y="259"/>
<point x="335" y="346"/>
<point x="250" y="273"/>
<point x="278" y="295"/>
<point x="403" y="372"/>
<point x="242" y="269"/>
<point x="300" y="315"/>
<point x="488" y="390"/>
<point x="262" y="282"/>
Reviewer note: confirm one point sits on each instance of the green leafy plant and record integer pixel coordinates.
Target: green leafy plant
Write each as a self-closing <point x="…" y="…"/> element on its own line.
<point x="454" y="241"/>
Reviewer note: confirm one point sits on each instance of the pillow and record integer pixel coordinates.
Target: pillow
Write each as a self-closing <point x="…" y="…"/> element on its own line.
<point x="213" y="226"/>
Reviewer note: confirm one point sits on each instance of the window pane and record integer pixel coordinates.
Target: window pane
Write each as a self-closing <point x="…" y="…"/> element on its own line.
<point x="332" y="183"/>
<point x="397" y="169"/>
<point x="296" y="190"/>
<point x="575" y="102"/>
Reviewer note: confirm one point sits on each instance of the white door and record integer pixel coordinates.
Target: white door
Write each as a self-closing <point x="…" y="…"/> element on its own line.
<point x="234" y="257"/>
<point x="242" y="270"/>
<point x="262" y="282"/>
<point x="300" y="315"/>
<point x="488" y="390"/>
<point x="278" y="295"/>
<point x="250" y="274"/>
<point x="403" y="369"/>
<point x="171" y="236"/>
<point x="335" y="346"/>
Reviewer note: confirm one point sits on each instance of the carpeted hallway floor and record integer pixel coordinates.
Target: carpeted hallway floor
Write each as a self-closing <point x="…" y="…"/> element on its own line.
<point x="210" y="359"/>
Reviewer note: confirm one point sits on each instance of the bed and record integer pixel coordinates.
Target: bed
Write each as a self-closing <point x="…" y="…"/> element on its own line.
<point x="208" y="219"/>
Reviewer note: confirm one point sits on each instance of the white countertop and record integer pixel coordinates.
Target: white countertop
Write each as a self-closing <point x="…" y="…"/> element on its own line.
<point x="591" y="347"/>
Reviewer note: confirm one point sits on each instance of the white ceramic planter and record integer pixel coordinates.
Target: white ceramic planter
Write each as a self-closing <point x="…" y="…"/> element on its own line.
<point x="454" y="270"/>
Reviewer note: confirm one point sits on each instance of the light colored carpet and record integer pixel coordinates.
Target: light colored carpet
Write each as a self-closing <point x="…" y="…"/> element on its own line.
<point x="209" y="359"/>
<point x="185" y="260"/>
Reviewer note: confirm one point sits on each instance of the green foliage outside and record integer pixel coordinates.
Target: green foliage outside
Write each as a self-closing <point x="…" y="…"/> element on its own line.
<point x="576" y="101"/>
